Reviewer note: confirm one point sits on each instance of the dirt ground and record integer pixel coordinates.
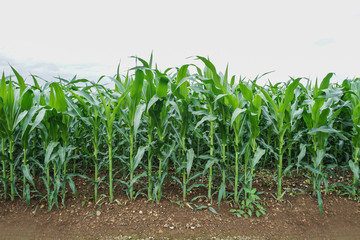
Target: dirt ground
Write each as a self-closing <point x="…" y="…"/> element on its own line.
<point x="297" y="217"/>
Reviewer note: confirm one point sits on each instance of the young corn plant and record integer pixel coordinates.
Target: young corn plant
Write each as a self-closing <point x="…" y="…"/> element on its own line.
<point x="319" y="117"/>
<point x="148" y="94"/>
<point x="12" y="112"/>
<point x="133" y="119"/>
<point x="29" y="125"/>
<point x="279" y="107"/>
<point x="353" y="95"/>
<point x="26" y="105"/>
<point x="253" y="152"/>
<point x="180" y="90"/>
<point x="157" y="109"/>
<point x="223" y="108"/>
<point x="293" y="116"/>
<point x="3" y="135"/>
<point x="111" y="110"/>
<point x="214" y="91"/>
<point x="238" y="120"/>
<point x="89" y="112"/>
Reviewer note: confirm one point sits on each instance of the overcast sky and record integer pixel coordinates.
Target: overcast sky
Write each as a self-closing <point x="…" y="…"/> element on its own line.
<point x="89" y="38"/>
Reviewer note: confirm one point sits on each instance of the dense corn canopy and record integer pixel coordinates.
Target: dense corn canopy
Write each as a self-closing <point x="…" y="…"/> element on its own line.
<point x="202" y="130"/>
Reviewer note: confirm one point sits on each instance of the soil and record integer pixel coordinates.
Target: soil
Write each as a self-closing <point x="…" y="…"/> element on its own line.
<point x="296" y="217"/>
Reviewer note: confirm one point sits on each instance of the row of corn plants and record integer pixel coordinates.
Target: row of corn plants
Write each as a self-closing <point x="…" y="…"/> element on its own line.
<point x="191" y="125"/>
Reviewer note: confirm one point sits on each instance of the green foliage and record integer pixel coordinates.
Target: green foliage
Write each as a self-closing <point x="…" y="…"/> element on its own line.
<point x="191" y="126"/>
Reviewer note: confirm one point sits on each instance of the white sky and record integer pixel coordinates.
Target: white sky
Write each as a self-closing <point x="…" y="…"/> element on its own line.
<point x="88" y="38"/>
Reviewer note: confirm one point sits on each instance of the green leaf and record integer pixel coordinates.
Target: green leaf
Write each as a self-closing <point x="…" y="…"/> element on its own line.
<point x="210" y="163"/>
<point x="210" y="117"/>
<point x="257" y="101"/>
<point x="257" y="156"/>
<point x="320" y="154"/>
<point x="19" y="118"/>
<point x="27" y="174"/>
<point x="236" y="114"/>
<point x="3" y="92"/>
<point x="139" y="156"/>
<point x="320" y="202"/>
<point x="211" y="209"/>
<point x="302" y="152"/>
<point x="190" y="158"/>
<point x="28" y="119"/>
<point x="247" y="93"/>
<point x="326" y="81"/>
<point x="354" y="169"/>
<point x="38" y="119"/>
<point x="289" y="92"/>
<point x="152" y="101"/>
<point x="137" y="119"/>
<point x="49" y="150"/>
<point x="322" y="129"/>
<point x="57" y="98"/>
<point x="221" y="192"/>
<point x="27" y="100"/>
<point x="20" y="80"/>
<point x="136" y="90"/>
<point x="181" y="81"/>
<point x="162" y="88"/>
<point x="72" y="185"/>
<point x="209" y="65"/>
<point x="269" y="99"/>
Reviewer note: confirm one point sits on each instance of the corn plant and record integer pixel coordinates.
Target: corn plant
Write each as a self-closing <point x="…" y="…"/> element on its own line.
<point x="111" y="110"/>
<point x="319" y="117"/>
<point x="253" y="152"/>
<point x="89" y="114"/>
<point x="158" y="112"/>
<point x="12" y="113"/>
<point x="352" y="91"/>
<point x="279" y="108"/>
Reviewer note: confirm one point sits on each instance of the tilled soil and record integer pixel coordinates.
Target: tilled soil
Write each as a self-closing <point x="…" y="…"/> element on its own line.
<point x="297" y="217"/>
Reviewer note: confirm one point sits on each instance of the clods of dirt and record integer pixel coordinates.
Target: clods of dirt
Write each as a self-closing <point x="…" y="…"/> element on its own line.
<point x="296" y="217"/>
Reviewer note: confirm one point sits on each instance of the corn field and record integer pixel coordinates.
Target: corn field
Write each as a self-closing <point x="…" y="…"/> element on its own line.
<point x="191" y="124"/>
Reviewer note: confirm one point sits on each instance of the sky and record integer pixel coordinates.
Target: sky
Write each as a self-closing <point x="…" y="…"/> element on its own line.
<point x="89" y="38"/>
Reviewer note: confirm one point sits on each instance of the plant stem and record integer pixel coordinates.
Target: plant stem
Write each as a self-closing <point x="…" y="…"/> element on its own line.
<point x="131" y="163"/>
<point x="11" y="170"/>
<point x="236" y="176"/>
<point x="223" y="170"/>
<point x="314" y="160"/>
<point x="64" y="174"/>
<point x="211" y="154"/>
<point x="96" y="171"/>
<point x="356" y="180"/>
<point x="280" y="173"/>
<point x="48" y="182"/>
<point x="149" y="166"/>
<point x="184" y="169"/>
<point x="110" y="172"/>
<point x="4" y="166"/>
<point x="236" y="168"/>
<point x="160" y="171"/>
<point x="280" y="165"/>
<point x="24" y="178"/>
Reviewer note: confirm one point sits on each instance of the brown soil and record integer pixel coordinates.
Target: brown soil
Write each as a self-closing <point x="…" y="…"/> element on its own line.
<point x="297" y="217"/>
